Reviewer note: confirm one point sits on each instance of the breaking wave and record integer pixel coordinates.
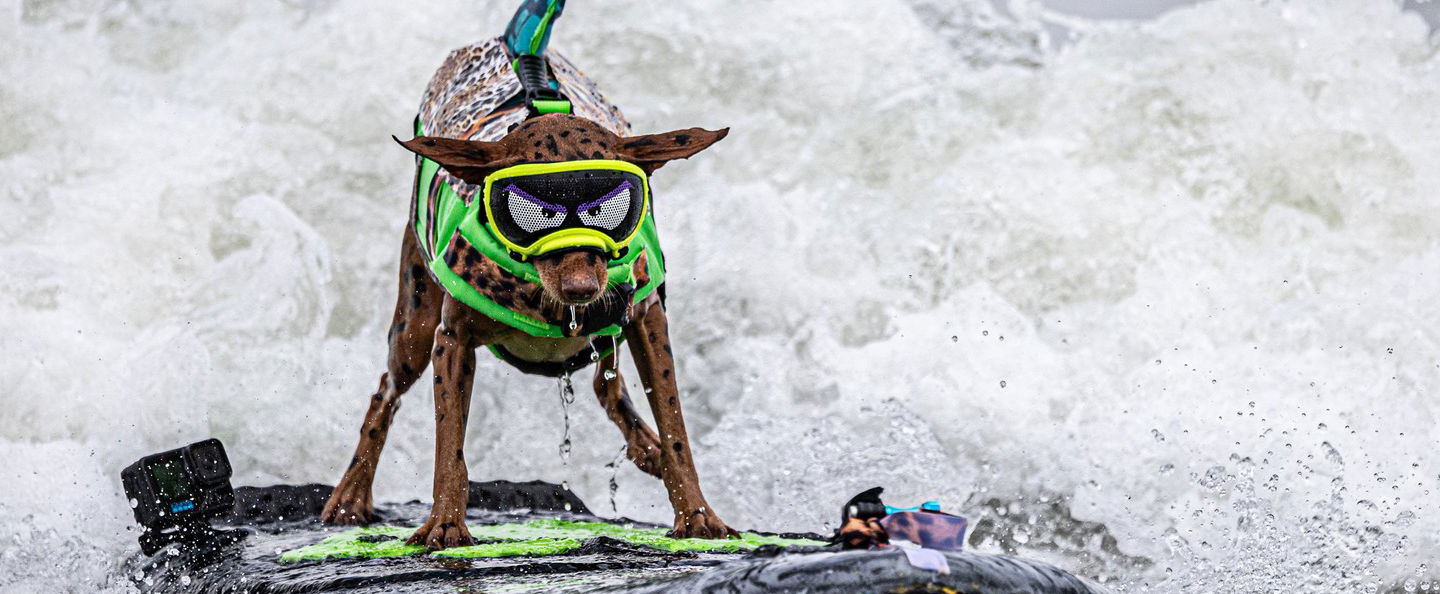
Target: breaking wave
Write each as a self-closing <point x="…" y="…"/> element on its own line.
<point x="1156" y="304"/>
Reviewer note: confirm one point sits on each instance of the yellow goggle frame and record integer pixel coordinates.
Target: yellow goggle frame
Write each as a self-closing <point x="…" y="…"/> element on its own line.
<point x="568" y="237"/>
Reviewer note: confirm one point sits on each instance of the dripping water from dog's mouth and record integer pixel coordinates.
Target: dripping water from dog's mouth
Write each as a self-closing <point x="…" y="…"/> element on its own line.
<point x="567" y="397"/>
<point x="610" y="375"/>
<point x="614" y="467"/>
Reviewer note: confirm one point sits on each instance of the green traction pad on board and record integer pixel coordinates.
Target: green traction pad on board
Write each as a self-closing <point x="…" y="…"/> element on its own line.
<point x="536" y="537"/>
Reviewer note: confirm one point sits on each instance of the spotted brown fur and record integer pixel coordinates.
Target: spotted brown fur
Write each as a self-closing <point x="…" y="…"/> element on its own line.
<point x="465" y="133"/>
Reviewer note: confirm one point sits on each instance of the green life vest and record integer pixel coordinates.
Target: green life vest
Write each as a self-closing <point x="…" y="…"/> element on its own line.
<point x="472" y="96"/>
<point x="453" y="218"/>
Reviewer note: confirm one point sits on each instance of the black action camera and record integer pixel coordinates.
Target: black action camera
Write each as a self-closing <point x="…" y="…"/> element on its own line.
<point x="175" y="494"/>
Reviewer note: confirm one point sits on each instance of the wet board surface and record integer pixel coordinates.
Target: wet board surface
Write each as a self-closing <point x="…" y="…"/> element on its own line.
<point x="540" y="538"/>
<point x="535" y="538"/>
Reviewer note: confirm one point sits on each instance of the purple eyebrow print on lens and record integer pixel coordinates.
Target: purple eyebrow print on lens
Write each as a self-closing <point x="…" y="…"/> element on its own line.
<point x="513" y="189"/>
<point x="625" y="185"/>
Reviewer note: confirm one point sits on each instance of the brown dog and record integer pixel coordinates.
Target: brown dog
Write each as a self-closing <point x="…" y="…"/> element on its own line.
<point x="431" y="325"/>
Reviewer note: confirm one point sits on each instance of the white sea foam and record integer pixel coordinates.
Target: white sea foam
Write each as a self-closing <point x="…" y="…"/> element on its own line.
<point x="1173" y="284"/>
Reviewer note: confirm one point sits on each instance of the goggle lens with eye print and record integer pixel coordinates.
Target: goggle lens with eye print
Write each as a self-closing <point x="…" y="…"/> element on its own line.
<point x="538" y="208"/>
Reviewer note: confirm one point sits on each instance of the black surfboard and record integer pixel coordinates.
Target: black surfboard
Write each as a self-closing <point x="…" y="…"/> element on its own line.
<point x="284" y="518"/>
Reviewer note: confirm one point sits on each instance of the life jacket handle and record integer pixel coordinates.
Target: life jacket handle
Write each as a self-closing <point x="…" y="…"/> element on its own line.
<point x="526" y="37"/>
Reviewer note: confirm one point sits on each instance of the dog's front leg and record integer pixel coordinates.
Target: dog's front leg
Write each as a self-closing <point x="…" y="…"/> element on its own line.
<point x="649" y="338"/>
<point x="454" y="361"/>
<point x="642" y="445"/>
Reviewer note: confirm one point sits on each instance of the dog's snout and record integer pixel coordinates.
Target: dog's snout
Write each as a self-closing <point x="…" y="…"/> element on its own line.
<point x="579" y="288"/>
<point x="573" y="277"/>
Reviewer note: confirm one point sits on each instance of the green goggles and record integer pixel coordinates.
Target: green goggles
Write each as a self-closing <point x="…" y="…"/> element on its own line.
<point x="538" y="208"/>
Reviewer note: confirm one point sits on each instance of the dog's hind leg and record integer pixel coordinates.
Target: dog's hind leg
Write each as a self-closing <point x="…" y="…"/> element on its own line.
<point x="642" y="445"/>
<point x="412" y="333"/>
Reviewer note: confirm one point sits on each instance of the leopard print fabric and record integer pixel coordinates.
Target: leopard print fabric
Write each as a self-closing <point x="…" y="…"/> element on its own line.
<point x="463" y="100"/>
<point x="931" y="530"/>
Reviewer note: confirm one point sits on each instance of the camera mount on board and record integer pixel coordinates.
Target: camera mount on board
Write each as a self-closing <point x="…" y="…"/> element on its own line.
<point x="176" y="493"/>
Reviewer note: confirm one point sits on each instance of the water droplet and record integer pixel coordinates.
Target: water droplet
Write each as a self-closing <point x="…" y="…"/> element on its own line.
<point x="984" y="333"/>
<point x="609" y="374"/>
<point x="567" y="397"/>
<point x="954" y="339"/>
<point x="134" y="503"/>
<point x="567" y="506"/>
<point x="614" y="467"/>
<point x="184" y="580"/>
<point x="573" y="324"/>
<point x="1214" y="478"/>
<point x="1002" y="383"/>
<point x="567" y="389"/>
<point x="1332" y="455"/>
<point x="1166" y="469"/>
<point x="1157" y="435"/>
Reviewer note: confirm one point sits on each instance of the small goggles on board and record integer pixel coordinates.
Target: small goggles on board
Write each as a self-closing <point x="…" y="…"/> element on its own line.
<point x="537" y="208"/>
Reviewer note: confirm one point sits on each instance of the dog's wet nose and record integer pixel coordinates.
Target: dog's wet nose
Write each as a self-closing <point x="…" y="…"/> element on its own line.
<point x="579" y="288"/>
<point x="574" y="277"/>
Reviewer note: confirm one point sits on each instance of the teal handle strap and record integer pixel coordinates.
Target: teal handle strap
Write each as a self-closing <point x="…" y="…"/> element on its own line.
<point x="929" y="506"/>
<point x="526" y="37"/>
<point x="529" y="30"/>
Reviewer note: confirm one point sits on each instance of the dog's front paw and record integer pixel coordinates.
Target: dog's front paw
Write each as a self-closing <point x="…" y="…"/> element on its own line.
<point x="442" y="532"/>
<point x="701" y="523"/>
<point x="348" y="505"/>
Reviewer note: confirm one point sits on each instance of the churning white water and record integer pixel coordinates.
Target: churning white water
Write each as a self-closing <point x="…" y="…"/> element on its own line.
<point x="1158" y="306"/>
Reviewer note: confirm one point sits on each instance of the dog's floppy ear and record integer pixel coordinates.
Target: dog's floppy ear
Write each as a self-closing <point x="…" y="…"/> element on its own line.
<point x="651" y="151"/>
<point x="469" y="160"/>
